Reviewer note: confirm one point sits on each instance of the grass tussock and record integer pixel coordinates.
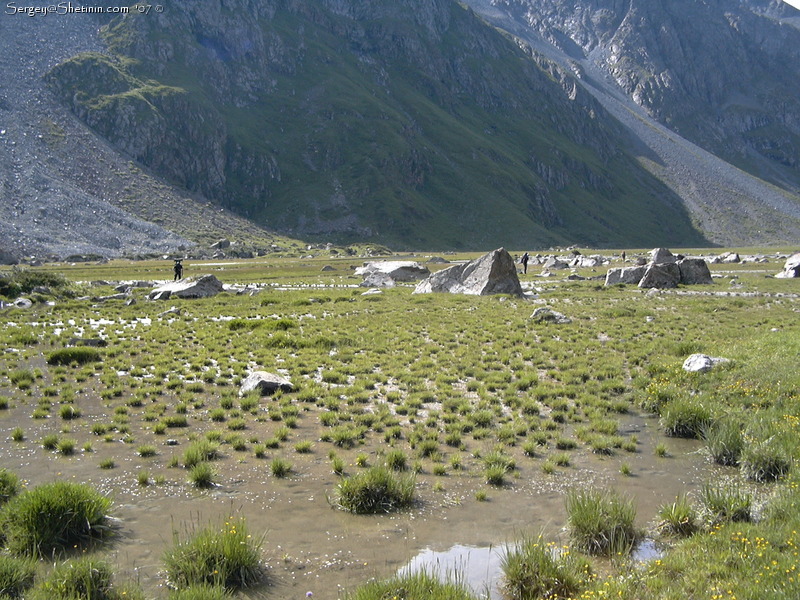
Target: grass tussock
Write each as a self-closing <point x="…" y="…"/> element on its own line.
<point x="78" y="355"/>
<point x="538" y="569"/>
<point x="417" y="586"/>
<point x="376" y="490"/>
<point x="600" y="521"/>
<point x="55" y="517"/>
<point x="225" y="556"/>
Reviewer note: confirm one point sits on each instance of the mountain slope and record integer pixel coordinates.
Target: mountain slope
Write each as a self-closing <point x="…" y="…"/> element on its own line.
<point x="410" y="123"/>
<point x="730" y="206"/>
<point x="63" y="190"/>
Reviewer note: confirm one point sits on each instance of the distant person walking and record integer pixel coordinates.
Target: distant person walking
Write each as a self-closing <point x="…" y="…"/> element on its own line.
<point x="624" y="256"/>
<point x="178" y="269"/>
<point x="524" y="262"/>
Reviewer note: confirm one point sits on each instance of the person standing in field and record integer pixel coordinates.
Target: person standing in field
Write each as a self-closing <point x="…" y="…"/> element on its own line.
<point x="178" y="269"/>
<point x="524" y="262"/>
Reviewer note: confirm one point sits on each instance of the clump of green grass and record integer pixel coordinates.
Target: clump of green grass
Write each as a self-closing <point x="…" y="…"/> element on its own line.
<point x="723" y="503"/>
<point x="536" y="569"/>
<point x="200" y="451"/>
<point x="54" y="517"/>
<point x="203" y="591"/>
<point x="766" y="460"/>
<point x="77" y="355"/>
<point x="201" y="475"/>
<point x="397" y="460"/>
<point x="725" y="442"/>
<point x="686" y="418"/>
<point x="280" y="467"/>
<point x="376" y="490"/>
<point x="225" y="556"/>
<point x="146" y="450"/>
<point x="16" y="575"/>
<point x="416" y="586"/>
<point x="81" y="579"/>
<point x="9" y="486"/>
<point x="678" y="518"/>
<point x="601" y="522"/>
<point x="17" y="434"/>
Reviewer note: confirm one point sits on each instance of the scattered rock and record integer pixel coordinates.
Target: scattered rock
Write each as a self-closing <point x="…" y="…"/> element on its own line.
<point x="554" y="263"/>
<point x="23" y="303"/>
<point x="548" y="315"/>
<point x="438" y="260"/>
<point x="791" y="268"/>
<point x="492" y="273"/>
<point x="221" y="244"/>
<point x="172" y="311"/>
<point x="328" y="268"/>
<point x="665" y="271"/>
<point x="701" y="363"/>
<point x="203" y="287"/>
<point x="266" y="383"/>
<point x="372" y="292"/>
<point x="398" y="270"/>
<point x="377" y="279"/>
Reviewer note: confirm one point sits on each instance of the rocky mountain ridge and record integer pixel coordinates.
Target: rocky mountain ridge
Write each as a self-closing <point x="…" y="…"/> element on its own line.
<point x="410" y="123"/>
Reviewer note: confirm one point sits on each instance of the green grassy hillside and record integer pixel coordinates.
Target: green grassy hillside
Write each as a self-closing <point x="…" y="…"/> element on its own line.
<point x="410" y="126"/>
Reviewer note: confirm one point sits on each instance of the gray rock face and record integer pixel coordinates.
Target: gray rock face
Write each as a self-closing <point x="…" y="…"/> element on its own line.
<point x="701" y="363"/>
<point x="202" y="287"/>
<point x="492" y="273"/>
<point x="629" y="275"/>
<point x="266" y="383"/>
<point x="554" y="263"/>
<point x="377" y="280"/>
<point x="694" y="271"/>
<point x="664" y="275"/>
<point x="398" y="270"/>
<point x="661" y="255"/>
<point x="791" y="268"/>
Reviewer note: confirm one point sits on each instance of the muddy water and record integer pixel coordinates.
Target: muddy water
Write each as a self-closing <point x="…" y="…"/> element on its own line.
<point x="311" y="547"/>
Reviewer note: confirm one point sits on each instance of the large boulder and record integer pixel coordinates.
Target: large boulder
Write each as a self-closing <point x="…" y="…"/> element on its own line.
<point x="265" y="383"/>
<point x="694" y="271"/>
<point x="791" y="268"/>
<point x="629" y="275"/>
<point x="202" y="287"/>
<point x="398" y="270"/>
<point x="377" y="279"/>
<point x="492" y="273"/>
<point x="661" y="276"/>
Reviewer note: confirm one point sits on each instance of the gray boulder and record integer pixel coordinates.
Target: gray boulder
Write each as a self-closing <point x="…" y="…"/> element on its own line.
<point x="266" y="384"/>
<point x="377" y="279"/>
<point x="661" y="256"/>
<point x="628" y="275"/>
<point x="694" y="271"/>
<point x="661" y="276"/>
<point x="791" y="268"/>
<point x="202" y="287"/>
<point x="492" y="273"/>
<point x="701" y="363"/>
<point x="548" y="315"/>
<point x="398" y="270"/>
<point x="554" y="263"/>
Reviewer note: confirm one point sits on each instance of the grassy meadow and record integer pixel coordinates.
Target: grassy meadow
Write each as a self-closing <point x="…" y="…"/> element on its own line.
<point x="402" y="404"/>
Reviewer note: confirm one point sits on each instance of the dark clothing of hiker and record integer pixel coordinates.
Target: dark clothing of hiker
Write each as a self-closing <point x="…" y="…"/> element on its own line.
<point x="178" y="268"/>
<point x="524" y="261"/>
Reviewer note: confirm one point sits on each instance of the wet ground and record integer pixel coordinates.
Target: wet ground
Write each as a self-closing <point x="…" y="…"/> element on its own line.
<point x="308" y="545"/>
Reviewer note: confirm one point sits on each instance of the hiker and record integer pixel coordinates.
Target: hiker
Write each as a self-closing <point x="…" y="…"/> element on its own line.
<point x="623" y="256"/>
<point x="178" y="269"/>
<point x="524" y="262"/>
